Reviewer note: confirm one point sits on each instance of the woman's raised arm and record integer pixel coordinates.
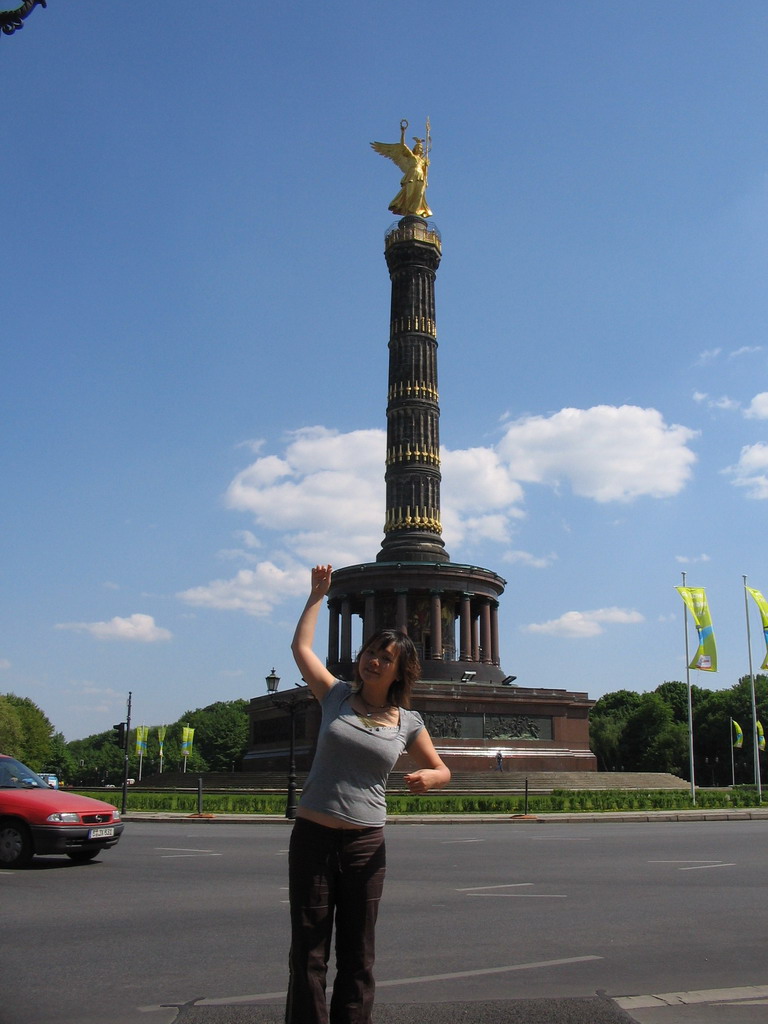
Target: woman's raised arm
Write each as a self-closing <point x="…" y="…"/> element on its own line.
<point x="313" y="670"/>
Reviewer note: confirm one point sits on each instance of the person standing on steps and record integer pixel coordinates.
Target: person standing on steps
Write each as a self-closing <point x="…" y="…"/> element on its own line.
<point x="337" y="858"/>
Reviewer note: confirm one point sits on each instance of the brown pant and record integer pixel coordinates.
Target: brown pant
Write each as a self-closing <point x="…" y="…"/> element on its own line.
<point x="333" y="872"/>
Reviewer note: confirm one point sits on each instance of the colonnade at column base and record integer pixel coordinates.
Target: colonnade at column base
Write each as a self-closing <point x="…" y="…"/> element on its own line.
<point x="449" y="611"/>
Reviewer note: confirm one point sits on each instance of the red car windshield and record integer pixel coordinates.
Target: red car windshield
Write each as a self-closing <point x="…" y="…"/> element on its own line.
<point x="15" y="775"/>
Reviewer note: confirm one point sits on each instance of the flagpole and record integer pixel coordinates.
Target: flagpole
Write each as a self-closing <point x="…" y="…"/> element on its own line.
<point x="755" y="750"/>
<point x="690" y="703"/>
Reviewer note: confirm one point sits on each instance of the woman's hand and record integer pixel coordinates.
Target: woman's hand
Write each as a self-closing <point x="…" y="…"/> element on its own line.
<point x="433" y="772"/>
<point x="424" y="780"/>
<point x="321" y="580"/>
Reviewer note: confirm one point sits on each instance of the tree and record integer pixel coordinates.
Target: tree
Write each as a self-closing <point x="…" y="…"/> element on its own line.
<point x="36" y="732"/>
<point x="653" y="741"/>
<point x="607" y="721"/>
<point x="605" y="735"/>
<point x="98" y="761"/>
<point x="675" y="696"/>
<point x="221" y="734"/>
<point x="11" y="730"/>
<point x="60" y="759"/>
<point x="619" y="703"/>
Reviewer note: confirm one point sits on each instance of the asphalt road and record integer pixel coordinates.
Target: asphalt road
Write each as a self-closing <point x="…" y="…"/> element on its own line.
<point x="582" y="923"/>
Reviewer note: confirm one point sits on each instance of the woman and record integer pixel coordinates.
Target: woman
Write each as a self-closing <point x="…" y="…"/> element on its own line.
<point x="337" y="858"/>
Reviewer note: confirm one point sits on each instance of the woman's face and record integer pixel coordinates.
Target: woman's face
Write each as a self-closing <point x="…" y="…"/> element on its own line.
<point x="379" y="665"/>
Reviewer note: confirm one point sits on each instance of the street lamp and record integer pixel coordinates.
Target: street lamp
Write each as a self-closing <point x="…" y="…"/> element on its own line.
<point x="291" y="705"/>
<point x="11" y="21"/>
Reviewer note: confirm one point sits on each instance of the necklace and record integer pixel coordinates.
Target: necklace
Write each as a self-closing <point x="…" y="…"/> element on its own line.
<point x="373" y="707"/>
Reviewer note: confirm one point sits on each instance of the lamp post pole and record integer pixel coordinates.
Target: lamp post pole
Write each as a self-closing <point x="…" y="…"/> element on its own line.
<point x="291" y="706"/>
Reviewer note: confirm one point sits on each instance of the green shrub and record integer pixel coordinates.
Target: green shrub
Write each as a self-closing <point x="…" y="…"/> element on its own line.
<point x="573" y="801"/>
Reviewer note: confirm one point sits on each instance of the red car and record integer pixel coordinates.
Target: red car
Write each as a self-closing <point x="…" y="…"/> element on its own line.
<point x="36" y="819"/>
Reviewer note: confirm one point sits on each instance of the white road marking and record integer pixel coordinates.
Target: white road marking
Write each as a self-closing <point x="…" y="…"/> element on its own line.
<point x="394" y="982"/>
<point x="696" y="865"/>
<point x="561" y="839"/>
<point x="175" y="852"/>
<point x="522" y="895"/>
<point x="489" y="970"/>
<point x="699" y="867"/>
<point x="506" y="885"/>
<point x="181" y="849"/>
<point x="486" y="890"/>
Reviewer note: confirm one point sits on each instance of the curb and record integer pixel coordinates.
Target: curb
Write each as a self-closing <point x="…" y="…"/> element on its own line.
<point x="612" y="817"/>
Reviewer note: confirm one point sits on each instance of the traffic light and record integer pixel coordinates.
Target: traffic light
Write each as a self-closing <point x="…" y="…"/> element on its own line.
<point x="119" y="737"/>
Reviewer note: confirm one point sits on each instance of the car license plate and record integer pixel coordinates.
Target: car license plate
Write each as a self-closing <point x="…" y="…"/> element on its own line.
<point x="101" y="833"/>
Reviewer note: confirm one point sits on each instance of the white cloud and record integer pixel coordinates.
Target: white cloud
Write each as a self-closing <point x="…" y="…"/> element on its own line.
<point x="89" y="689"/>
<point x="254" y="591"/>
<point x="584" y="624"/>
<point x="708" y="356"/>
<point x="247" y="538"/>
<point x="136" y="628"/>
<point x="323" y="497"/>
<point x="476" y="480"/>
<point x="758" y="407"/>
<point x="607" y="453"/>
<point x="693" y="560"/>
<point x="525" y="558"/>
<point x="745" y="350"/>
<point x="724" y="402"/>
<point x="89" y="698"/>
<point x="255" y="445"/>
<point x="751" y="470"/>
<point x="325" y="480"/>
<point x="4" y="663"/>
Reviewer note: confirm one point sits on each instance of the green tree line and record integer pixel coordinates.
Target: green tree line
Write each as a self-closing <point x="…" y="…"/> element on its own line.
<point x="648" y="732"/>
<point x="220" y="740"/>
<point x="629" y="731"/>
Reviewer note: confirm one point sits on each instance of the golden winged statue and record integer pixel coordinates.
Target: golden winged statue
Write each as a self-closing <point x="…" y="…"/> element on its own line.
<point x="414" y="163"/>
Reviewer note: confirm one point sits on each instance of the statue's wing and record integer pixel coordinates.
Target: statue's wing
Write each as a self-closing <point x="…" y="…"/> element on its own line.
<point x="398" y="152"/>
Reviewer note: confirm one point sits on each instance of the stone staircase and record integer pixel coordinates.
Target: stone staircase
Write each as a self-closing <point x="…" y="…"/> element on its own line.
<point x="461" y="782"/>
<point x="546" y="782"/>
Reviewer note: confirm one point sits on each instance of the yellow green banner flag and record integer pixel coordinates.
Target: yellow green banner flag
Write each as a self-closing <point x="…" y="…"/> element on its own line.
<point x="161" y="737"/>
<point x="760" y="736"/>
<point x="762" y="604"/>
<point x="187" y="735"/>
<point x="142" y="734"/>
<point x="739" y="741"/>
<point x="705" y="657"/>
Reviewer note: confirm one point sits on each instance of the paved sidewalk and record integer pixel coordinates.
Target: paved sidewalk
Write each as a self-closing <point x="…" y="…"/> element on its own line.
<point x="736" y="1006"/>
<point x="590" y="1010"/>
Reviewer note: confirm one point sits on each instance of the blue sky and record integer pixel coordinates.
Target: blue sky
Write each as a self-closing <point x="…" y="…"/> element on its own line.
<point x="195" y="326"/>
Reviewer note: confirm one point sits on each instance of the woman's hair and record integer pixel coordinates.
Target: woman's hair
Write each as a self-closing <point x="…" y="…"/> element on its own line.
<point x="408" y="664"/>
